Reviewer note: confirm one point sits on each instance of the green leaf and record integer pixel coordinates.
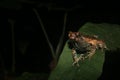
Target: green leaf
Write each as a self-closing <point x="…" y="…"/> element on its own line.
<point x="88" y="69"/>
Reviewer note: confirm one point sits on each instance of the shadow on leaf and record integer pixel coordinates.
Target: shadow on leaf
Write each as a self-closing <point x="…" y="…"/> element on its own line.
<point x="111" y="66"/>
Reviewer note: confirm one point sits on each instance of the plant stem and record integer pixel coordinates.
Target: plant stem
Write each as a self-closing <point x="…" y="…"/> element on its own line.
<point x="44" y="31"/>
<point x="60" y="43"/>
<point x="13" y="45"/>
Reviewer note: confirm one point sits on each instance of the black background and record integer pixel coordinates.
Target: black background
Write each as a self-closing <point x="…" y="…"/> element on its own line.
<point x="28" y="29"/>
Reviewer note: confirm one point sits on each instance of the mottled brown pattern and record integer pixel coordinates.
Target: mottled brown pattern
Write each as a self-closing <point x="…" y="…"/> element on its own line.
<point x="91" y="43"/>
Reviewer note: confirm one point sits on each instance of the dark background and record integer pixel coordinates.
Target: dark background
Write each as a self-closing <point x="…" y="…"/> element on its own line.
<point x="28" y="30"/>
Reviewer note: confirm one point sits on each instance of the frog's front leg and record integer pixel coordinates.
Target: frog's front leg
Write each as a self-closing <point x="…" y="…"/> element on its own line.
<point x="75" y="57"/>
